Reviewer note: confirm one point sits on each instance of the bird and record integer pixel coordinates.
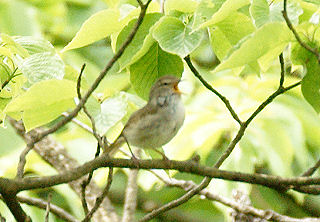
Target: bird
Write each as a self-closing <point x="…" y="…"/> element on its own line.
<point x="155" y="124"/>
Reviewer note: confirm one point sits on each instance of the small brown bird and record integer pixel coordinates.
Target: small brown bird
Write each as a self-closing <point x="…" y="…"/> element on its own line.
<point x="158" y="121"/>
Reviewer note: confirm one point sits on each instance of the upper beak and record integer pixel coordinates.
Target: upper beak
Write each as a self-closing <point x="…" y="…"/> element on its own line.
<point x="176" y="88"/>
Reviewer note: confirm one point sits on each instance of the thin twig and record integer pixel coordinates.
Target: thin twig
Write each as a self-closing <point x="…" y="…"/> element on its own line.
<point x="209" y="87"/>
<point x="48" y="208"/>
<point x="79" y="123"/>
<point x="59" y="212"/>
<point x="245" y="209"/>
<point x="312" y="170"/>
<point x="282" y="72"/>
<point x="83" y="197"/>
<point x="296" y="35"/>
<point x="177" y="202"/>
<point x="22" y="160"/>
<point x="85" y="183"/>
<point x="162" y="2"/>
<point x="101" y="197"/>
<point x="9" y="79"/>
<point x="130" y="202"/>
<point x="85" y="110"/>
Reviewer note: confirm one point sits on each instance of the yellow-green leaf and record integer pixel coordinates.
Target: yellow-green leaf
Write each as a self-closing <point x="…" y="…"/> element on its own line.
<point x="98" y="26"/>
<point x="267" y="42"/>
<point x="43" y="102"/>
<point x="230" y="6"/>
<point x="188" y="6"/>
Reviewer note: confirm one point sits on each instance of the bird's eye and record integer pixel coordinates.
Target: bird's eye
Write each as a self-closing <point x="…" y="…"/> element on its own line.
<point x="165" y="83"/>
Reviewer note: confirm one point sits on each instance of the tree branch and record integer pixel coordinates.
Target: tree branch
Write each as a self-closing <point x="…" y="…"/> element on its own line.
<point x="59" y="212"/>
<point x="101" y="197"/>
<point x="209" y="87"/>
<point x="11" y="76"/>
<point x="13" y="204"/>
<point x="130" y="202"/>
<point x="85" y="110"/>
<point x="312" y="170"/>
<point x="275" y="182"/>
<point x="242" y="208"/>
<point x="48" y="208"/>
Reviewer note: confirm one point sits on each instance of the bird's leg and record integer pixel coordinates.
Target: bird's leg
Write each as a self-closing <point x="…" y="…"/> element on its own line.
<point x="133" y="157"/>
<point x="164" y="157"/>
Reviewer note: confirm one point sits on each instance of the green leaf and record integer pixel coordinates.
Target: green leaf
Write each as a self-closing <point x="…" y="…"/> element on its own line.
<point x="261" y="13"/>
<point x="299" y="55"/>
<point x="19" y="18"/>
<point x="98" y="26"/>
<point x="176" y="37"/>
<point x="188" y="6"/>
<point x="205" y="10"/>
<point x="3" y="104"/>
<point x="228" y="7"/>
<point x="34" y="45"/>
<point x="227" y="33"/>
<point x="5" y="72"/>
<point x="111" y="112"/>
<point x="310" y="86"/>
<point x="43" y="102"/>
<point x="312" y="1"/>
<point x="154" y="64"/>
<point x="13" y="46"/>
<point x="265" y="45"/>
<point x="42" y="66"/>
<point x="138" y="41"/>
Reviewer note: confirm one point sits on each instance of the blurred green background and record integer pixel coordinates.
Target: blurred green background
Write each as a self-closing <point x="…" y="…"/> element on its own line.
<point x="283" y="140"/>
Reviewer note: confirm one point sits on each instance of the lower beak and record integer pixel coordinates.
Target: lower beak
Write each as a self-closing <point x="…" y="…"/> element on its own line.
<point x="176" y="88"/>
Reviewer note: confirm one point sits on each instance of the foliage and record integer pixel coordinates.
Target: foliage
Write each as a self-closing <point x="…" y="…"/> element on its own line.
<point x="44" y="43"/>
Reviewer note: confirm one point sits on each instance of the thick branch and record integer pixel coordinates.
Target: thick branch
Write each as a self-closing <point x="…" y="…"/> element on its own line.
<point x="13" y="204"/>
<point x="275" y="182"/>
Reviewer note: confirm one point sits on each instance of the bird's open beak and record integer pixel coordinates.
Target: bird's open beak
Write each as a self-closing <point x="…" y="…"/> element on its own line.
<point x="176" y="88"/>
